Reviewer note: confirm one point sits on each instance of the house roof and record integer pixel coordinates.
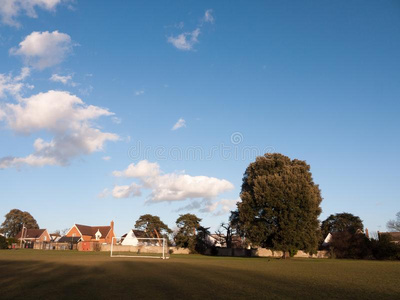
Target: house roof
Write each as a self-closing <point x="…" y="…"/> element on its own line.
<point x="91" y="230"/>
<point x="394" y="235"/>
<point x="31" y="233"/>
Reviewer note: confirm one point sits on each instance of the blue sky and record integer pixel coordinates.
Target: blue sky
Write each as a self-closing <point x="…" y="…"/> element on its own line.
<point x="314" y="80"/>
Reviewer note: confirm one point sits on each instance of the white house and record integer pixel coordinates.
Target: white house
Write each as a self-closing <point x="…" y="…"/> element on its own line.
<point x="131" y="238"/>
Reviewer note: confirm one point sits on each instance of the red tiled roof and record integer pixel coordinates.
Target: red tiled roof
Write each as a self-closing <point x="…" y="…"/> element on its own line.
<point x="91" y="230"/>
<point x="31" y="233"/>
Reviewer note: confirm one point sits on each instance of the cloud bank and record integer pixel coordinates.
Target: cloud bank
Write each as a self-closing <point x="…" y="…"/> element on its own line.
<point x="169" y="187"/>
<point x="63" y="116"/>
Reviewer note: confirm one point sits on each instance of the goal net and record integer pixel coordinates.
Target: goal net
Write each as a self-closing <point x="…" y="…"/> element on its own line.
<point x="139" y="247"/>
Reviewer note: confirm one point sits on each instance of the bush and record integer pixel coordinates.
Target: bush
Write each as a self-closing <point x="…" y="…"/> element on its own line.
<point x="3" y="243"/>
<point x="348" y="245"/>
<point x="384" y="248"/>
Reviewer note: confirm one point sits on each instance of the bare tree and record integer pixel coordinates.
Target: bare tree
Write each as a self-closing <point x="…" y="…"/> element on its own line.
<point x="225" y="234"/>
<point x="394" y="225"/>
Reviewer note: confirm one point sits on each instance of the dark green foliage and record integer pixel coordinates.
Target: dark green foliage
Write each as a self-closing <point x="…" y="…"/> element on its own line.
<point x="3" y="242"/>
<point x="14" y="221"/>
<point x="384" y="248"/>
<point x="280" y="205"/>
<point x="188" y="225"/>
<point x="202" y="243"/>
<point x="394" y="225"/>
<point x="340" y="223"/>
<point x="345" y="244"/>
<point x="153" y="226"/>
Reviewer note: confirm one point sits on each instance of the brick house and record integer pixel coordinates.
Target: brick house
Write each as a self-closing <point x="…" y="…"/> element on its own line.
<point x="99" y="234"/>
<point x="32" y="236"/>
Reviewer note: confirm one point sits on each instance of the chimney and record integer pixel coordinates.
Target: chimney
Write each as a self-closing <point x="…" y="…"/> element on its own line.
<point x="366" y="233"/>
<point x="112" y="225"/>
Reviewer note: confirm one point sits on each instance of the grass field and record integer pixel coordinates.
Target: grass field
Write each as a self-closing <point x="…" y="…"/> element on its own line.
<point x="74" y="275"/>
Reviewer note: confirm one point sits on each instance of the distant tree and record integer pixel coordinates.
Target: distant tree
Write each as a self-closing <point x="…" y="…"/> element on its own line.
<point x="280" y="205"/>
<point x="202" y="242"/>
<point x="153" y="226"/>
<point x="394" y="225"/>
<point x="340" y="223"/>
<point x="187" y="224"/>
<point x="3" y="242"/>
<point x="14" y="221"/>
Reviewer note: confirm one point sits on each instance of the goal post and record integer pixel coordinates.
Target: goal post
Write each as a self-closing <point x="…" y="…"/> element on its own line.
<point x="139" y="247"/>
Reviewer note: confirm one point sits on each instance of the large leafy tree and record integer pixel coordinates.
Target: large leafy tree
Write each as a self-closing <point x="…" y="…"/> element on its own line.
<point x="153" y="226"/>
<point x="185" y="237"/>
<point x="15" y="219"/>
<point x="280" y="205"/>
<point x="343" y="222"/>
<point x="394" y="225"/>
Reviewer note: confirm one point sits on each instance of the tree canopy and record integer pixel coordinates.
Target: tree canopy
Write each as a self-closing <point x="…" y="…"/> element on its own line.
<point x="15" y="219"/>
<point x="187" y="224"/>
<point x="394" y="225"/>
<point x="152" y="225"/>
<point x="280" y="205"/>
<point x="340" y="223"/>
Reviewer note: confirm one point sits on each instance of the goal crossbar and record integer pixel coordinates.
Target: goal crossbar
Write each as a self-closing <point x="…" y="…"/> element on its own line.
<point x="146" y="244"/>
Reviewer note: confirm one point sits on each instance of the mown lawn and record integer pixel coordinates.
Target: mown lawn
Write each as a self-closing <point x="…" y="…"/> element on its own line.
<point x="74" y="275"/>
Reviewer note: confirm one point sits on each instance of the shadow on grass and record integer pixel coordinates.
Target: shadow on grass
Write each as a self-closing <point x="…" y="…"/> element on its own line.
<point x="141" y="279"/>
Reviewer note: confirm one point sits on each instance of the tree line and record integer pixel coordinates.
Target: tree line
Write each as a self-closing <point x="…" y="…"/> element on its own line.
<point x="279" y="209"/>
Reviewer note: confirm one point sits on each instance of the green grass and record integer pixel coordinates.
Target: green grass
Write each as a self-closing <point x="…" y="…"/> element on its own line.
<point x="94" y="275"/>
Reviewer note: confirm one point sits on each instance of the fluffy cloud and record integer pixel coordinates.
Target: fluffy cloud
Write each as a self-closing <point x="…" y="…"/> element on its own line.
<point x="126" y="191"/>
<point x="142" y="169"/>
<point x="14" y="85"/>
<point x="173" y="186"/>
<point x="66" y="80"/>
<point x="185" y="41"/>
<point x="44" y="49"/>
<point x="208" y="17"/>
<point x="10" y="9"/>
<point x="181" y="123"/>
<point x="64" y="116"/>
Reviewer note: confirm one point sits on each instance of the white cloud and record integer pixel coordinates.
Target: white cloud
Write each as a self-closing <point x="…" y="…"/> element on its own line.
<point x="66" y="80"/>
<point x="14" y="85"/>
<point x="44" y="49"/>
<point x="173" y="186"/>
<point x="208" y="17"/>
<point x="64" y="116"/>
<point x="106" y="158"/>
<point x="126" y="191"/>
<point x="10" y="9"/>
<point x="138" y="93"/>
<point x="179" y="124"/>
<point x="185" y="41"/>
<point x="143" y="168"/>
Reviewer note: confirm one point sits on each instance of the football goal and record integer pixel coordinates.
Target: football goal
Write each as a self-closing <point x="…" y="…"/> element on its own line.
<point x="139" y="247"/>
